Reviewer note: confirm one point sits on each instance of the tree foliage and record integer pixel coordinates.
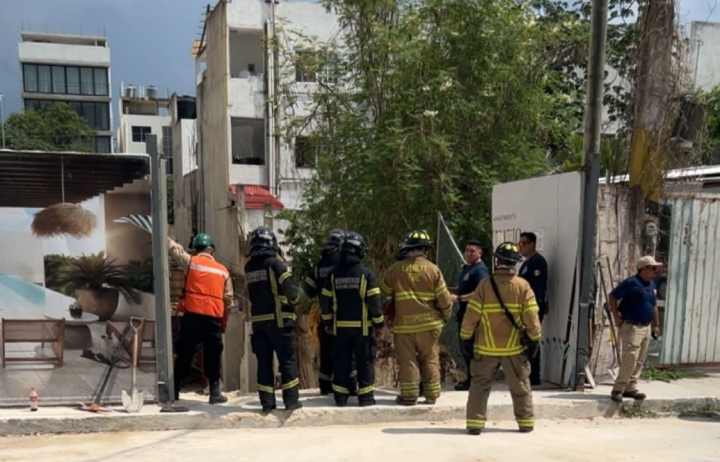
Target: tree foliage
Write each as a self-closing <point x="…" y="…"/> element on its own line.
<point x="55" y="127"/>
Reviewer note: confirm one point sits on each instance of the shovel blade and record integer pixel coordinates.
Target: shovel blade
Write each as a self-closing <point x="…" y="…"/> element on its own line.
<point x="134" y="402"/>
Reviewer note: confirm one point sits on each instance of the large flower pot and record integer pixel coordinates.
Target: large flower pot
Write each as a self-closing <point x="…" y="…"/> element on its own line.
<point x="101" y="302"/>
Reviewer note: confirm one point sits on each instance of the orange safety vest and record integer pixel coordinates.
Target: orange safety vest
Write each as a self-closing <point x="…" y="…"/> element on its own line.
<point x="204" y="287"/>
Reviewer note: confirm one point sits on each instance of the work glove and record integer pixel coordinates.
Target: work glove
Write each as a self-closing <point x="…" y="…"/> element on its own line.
<point x="532" y="348"/>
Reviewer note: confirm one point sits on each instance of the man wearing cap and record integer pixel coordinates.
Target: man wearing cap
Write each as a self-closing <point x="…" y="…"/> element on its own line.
<point x="634" y="308"/>
<point x="473" y="271"/>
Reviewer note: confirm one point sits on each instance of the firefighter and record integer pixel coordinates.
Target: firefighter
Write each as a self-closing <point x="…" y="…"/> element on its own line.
<point x="329" y="257"/>
<point x="415" y="290"/>
<point x="205" y="304"/>
<point x="273" y="296"/>
<point x="352" y="311"/>
<point x="501" y="328"/>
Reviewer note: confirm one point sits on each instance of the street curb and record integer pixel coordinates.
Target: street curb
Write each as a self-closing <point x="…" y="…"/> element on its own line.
<point x="224" y="417"/>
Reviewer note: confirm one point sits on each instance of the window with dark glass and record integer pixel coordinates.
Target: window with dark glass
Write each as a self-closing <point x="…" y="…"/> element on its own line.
<point x="102" y="116"/>
<point x="58" y="79"/>
<point x="102" y="144"/>
<point x="140" y="133"/>
<point x="30" y="77"/>
<point x="44" y="79"/>
<point x="86" y="81"/>
<point x="248" y="141"/>
<point x="167" y="141"/>
<point x="101" y="81"/>
<point x="73" y="80"/>
<point x="306" y="150"/>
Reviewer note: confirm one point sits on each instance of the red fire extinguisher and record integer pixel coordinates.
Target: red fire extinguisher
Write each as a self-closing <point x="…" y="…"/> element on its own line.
<point x="34" y="398"/>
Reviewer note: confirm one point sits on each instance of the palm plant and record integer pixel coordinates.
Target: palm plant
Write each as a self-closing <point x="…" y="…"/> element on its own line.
<point x="97" y="271"/>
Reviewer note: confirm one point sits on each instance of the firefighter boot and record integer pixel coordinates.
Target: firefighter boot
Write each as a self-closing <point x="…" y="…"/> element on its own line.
<point x="634" y="394"/>
<point x="215" y="396"/>
<point x="406" y="401"/>
<point x="291" y="398"/>
<point x="367" y="399"/>
<point x="325" y="387"/>
<point x="341" y="399"/>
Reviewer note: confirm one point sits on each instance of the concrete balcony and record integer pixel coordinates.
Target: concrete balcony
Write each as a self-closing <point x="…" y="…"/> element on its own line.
<point x="247" y="97"/>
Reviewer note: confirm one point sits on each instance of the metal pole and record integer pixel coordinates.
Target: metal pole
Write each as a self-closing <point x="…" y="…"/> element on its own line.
<point x="591" y="149"/>
<point x="2" y="122"/>
<point x="161" y="272"/>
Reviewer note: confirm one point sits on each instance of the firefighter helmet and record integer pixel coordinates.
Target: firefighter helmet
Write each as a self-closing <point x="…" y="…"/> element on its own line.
<point x="262" y="239"/>
<point x="354" y="244"/>
<point x="419" y="239"/>
<point x="334" y="241"/>
<point x="508" y="254"/>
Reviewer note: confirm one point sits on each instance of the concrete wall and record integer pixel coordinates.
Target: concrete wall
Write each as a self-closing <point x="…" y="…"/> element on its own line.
<point x="53" y="53"/>
<point x="248" y="174"/>
<point x="185" y="164"/>
<point x="247" y="14"/>
<point x="247" y="97"/>
<point x="704" y="55"/>
<point x="127" y="121"/>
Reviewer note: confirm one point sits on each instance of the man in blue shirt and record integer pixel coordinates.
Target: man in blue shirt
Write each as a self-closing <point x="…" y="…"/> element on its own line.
<point x="473" y="271"/>
<point x="535" y="271"/>
<point x="633" y="305"/>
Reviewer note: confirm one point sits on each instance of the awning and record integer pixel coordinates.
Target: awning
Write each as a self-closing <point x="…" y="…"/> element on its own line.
<point x="257" y="197"/>
<point x="42" y="178"/>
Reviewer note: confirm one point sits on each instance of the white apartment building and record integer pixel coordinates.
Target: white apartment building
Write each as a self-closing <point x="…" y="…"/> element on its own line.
<point x="142" y="112"/>
<point x="73" y="69"/>
<point x="704" y="54"/>
<point x="248" y="168"/>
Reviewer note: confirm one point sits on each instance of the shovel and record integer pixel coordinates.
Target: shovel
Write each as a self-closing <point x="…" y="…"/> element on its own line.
<point x="134" y="402"/>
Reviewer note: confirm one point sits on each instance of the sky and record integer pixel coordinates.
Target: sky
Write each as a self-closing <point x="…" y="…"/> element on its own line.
<point x="150" y="40"/>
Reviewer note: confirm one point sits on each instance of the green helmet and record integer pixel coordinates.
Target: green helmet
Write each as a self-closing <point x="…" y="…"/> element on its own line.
<point x="201" y="241"/>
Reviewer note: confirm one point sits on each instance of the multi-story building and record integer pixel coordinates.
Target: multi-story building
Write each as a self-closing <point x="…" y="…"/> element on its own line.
<point x="142" y="112"/>
<point x="704" y="54"/>
<point x="249" y="166"/>
<point x="73" y="69"/>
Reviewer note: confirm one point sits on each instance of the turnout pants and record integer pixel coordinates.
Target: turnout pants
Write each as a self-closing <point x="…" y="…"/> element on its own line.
<point x="418" y="357"/>
<point x="466" y="357"/>
<point x="197" y="330"/>
<point x="281" y="342"/>
<point x="354" y="349"/>
<point x="634" y="340"/>
<point x="517" y="372"/>
<point x="327" y="346"/>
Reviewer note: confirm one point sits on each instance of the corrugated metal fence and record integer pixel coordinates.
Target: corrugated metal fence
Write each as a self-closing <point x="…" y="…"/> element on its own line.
<point x="692" y="311"/>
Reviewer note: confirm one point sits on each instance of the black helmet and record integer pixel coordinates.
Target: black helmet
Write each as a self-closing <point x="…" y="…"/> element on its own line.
<point x="419" y="239"/>
<point x="508" y="253"/>
<point x="262" y="239"/>
<point x="354" y="244"/>
<point x="334" y="241"/>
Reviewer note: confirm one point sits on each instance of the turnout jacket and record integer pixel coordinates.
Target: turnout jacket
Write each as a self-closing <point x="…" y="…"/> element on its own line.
<point x="271" y="290"/>
<point x="485" y="319"/>
<point x="351" y="298"/>
<point x="312" y="285"/>
<point x="416" y="288"/>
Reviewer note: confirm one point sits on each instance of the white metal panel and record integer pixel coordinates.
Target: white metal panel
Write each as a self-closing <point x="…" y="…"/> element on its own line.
<point x="692" y="312"/>
<point x="550" y="207"/>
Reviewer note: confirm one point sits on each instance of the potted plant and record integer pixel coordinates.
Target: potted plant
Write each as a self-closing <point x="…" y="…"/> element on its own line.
<point x="97" y="280"/>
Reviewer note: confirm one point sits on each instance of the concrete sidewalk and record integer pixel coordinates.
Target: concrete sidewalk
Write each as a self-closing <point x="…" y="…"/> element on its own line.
<point x="244" y="411"/>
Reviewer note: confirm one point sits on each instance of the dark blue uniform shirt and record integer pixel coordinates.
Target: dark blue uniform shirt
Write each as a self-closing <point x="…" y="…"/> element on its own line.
<point x="469" y="279"/>
<point x="637" y="300"/>
<point x="535" y="271"/>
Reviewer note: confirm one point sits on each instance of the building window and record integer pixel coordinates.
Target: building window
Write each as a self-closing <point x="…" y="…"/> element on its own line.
<point x="30" y="78"/>
<point x="86" y="81"/>
<point x="140" y="133"/>
<point x="306" y="66"/>
<point x="73" y="80"/>
<point x="102" y="144"/>
<point x="102" y="116"/>
<point x="44" y="79"/>
<point x="101" y="81"/>
<point x="248" y="141"/>
<point x="306" y="151"/>
<point x="58" y="79"/>
<point x="167" y="141"/>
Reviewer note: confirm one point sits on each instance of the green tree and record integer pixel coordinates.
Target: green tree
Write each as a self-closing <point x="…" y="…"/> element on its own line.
<point x="433" y="103"/>
<point x="55" y="127"/>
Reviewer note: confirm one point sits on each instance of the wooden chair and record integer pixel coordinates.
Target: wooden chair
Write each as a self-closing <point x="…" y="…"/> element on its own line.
<point x="34" y="331"/>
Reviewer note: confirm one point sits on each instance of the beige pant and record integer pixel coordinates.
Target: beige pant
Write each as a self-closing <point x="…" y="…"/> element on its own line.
<point x="418" y="357"/>
<point x="634" y="341"/>
<point x="517" y="376"/>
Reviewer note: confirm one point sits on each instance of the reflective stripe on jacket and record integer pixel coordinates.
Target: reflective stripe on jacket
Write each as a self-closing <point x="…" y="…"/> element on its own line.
<point x="485" y="318"/>
<point x="417" y="289"/>
<point x="205" y="287"/>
